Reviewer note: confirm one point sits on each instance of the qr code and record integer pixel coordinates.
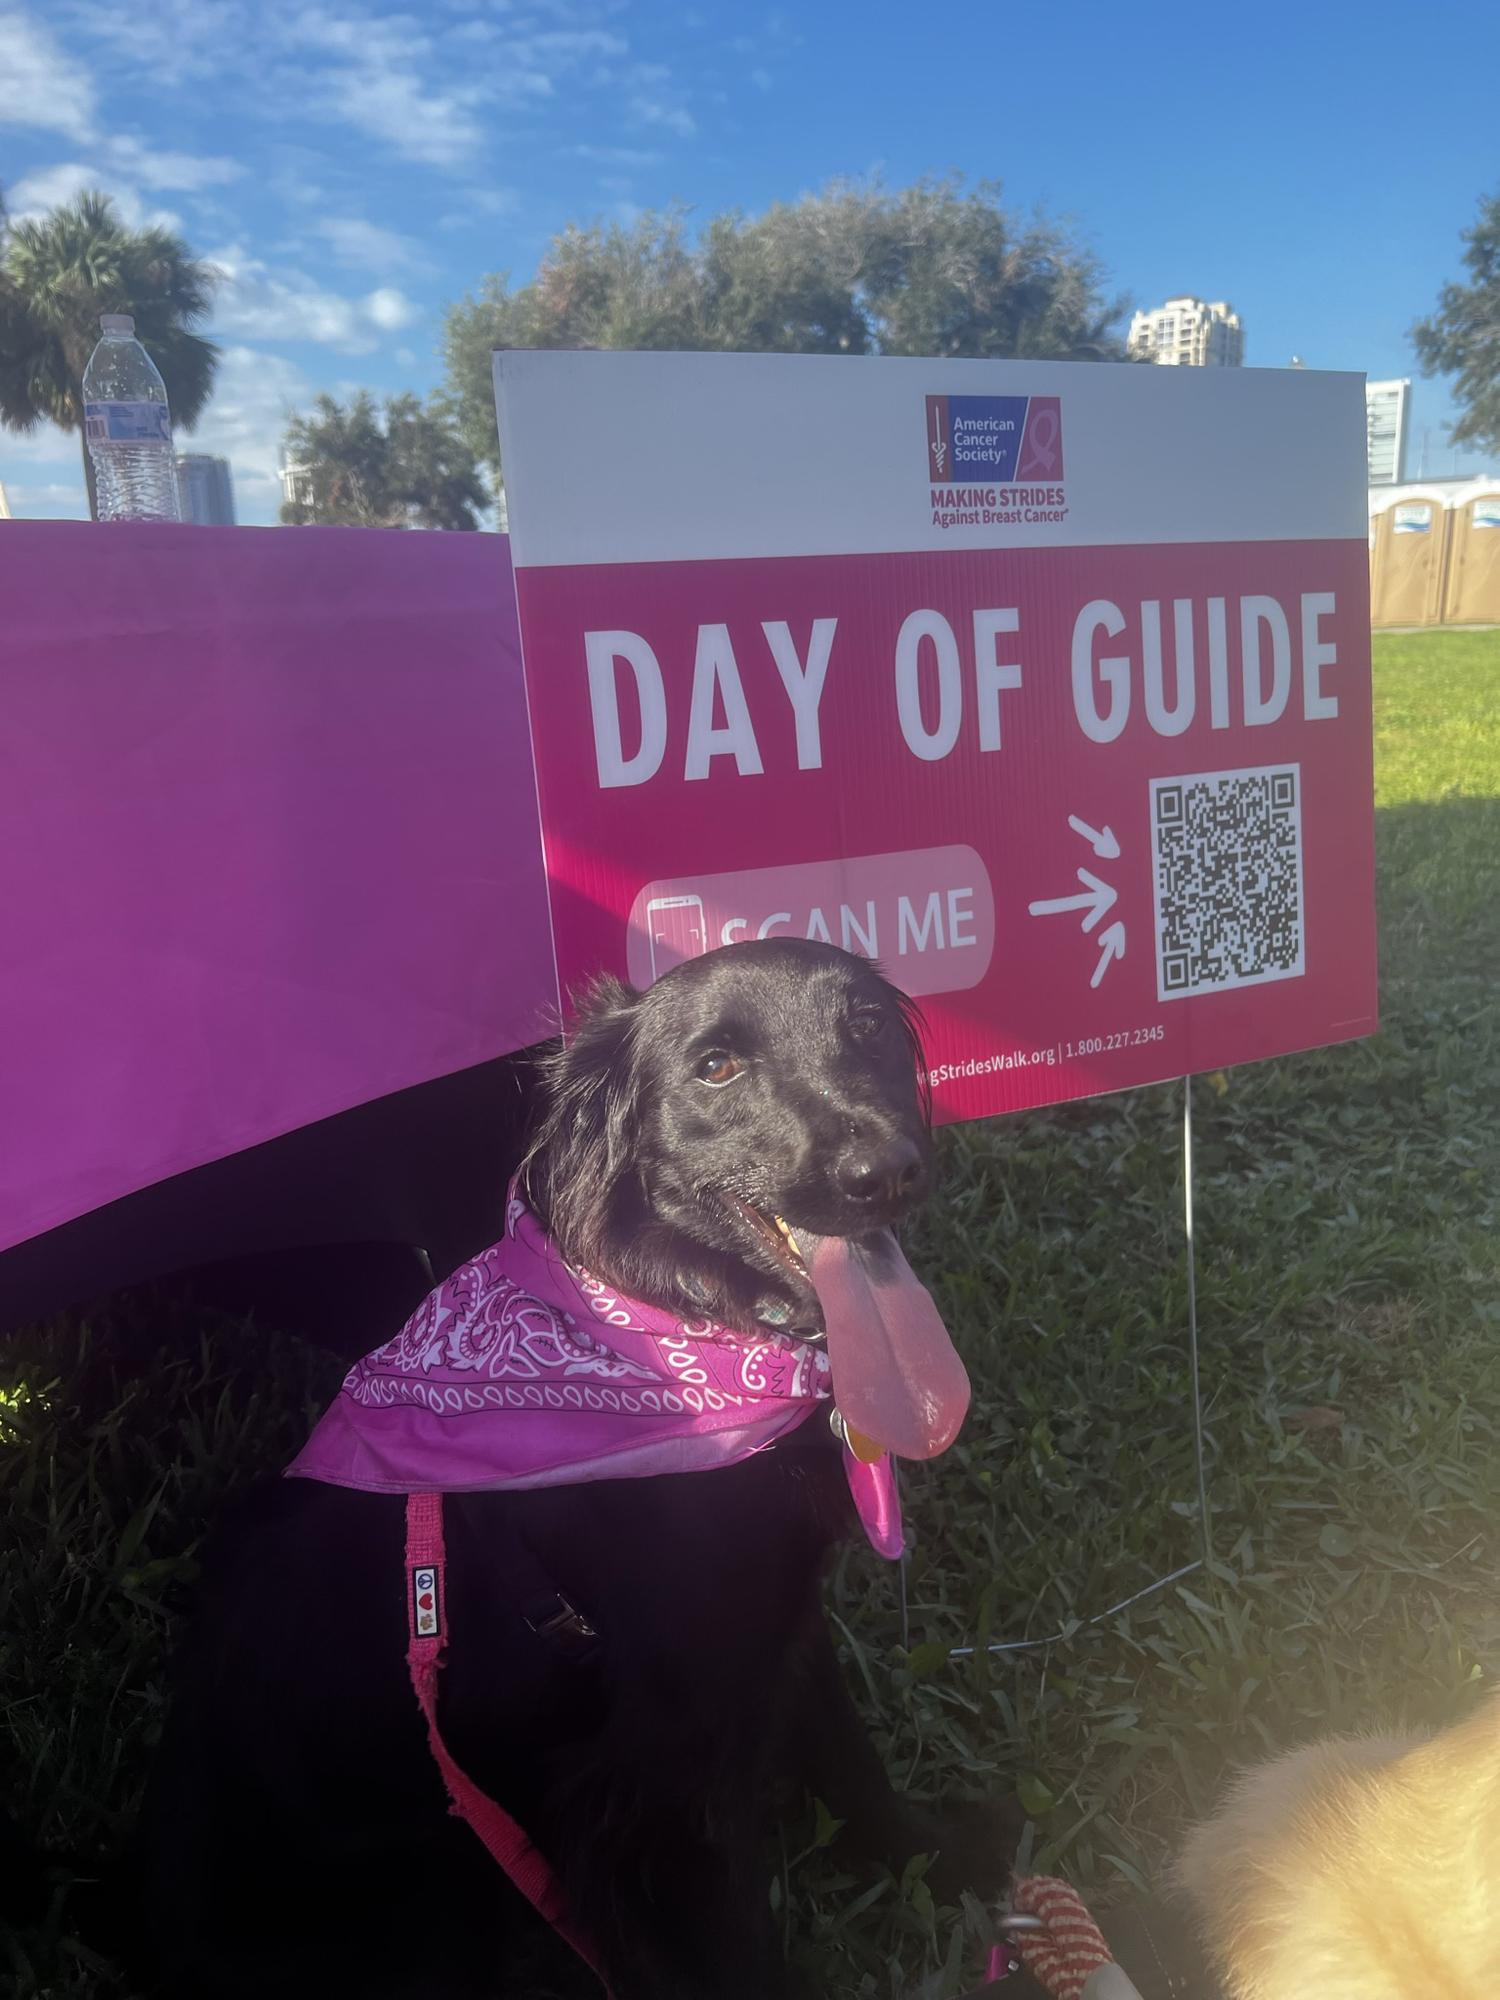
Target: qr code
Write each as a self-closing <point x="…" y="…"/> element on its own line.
<point x="1226" y="849"/>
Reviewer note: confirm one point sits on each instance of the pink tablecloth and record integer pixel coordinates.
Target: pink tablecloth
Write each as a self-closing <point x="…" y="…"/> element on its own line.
<point x="268" y="841"/>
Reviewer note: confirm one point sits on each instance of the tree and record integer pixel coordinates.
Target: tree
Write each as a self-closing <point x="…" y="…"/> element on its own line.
<point x="411" y="470"/>
<point x="954" y="275"/>
<point x="933" y="269"/>
<point x="58" y="275"/>
<point x="14" y="335"/>
<point x="1462" y="338"/>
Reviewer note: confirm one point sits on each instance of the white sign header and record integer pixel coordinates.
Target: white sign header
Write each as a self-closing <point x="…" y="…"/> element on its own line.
<point x="773" y="455"/>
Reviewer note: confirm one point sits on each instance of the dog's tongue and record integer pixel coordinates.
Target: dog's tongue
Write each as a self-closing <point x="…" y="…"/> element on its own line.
<point x="896" y="1377"/>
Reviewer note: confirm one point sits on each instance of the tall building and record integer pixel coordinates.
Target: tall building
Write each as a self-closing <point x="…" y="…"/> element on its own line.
<point x="1387" y="413"/>
<point x="1187" y="333"/>
<point x="205" y="490"/>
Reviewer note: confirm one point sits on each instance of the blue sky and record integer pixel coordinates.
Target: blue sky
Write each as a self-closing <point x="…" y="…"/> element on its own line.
<point x="351" y="168"/>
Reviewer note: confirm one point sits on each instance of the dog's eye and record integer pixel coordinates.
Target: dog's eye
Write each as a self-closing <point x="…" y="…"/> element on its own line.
<point x="718" y="1067"/>
<point x="867" y="1024"/>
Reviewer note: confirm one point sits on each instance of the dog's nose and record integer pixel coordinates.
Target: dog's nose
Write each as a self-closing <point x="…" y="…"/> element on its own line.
<point x="879" y="1177"/>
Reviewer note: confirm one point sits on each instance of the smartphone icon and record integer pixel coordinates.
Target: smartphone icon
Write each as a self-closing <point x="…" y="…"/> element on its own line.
<point x="675" y="927"/>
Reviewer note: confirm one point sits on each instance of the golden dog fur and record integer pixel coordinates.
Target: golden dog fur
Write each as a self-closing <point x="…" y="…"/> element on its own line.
<point x="1359" y="1868"/>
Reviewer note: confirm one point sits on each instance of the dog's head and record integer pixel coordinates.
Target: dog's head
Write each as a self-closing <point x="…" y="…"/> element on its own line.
<point x="776" y="1082"/>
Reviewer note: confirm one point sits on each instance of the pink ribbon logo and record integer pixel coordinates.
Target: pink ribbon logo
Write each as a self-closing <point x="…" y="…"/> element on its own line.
<point x="1041" y="448"/>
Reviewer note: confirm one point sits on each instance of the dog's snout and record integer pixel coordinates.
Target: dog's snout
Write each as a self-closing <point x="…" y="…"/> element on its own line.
<point x="879" y="1177"/>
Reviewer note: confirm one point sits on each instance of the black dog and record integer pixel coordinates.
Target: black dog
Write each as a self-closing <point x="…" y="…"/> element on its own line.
<point x="298" y="1842"/>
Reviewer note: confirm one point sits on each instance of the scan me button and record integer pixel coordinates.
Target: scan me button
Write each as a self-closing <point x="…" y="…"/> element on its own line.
<point x="928" y="915"/>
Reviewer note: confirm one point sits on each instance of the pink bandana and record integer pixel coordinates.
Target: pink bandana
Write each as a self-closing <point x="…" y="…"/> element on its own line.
<point x="520" y="1371"/>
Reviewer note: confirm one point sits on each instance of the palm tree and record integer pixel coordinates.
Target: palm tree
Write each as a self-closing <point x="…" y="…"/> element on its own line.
<point x="408" y="469"/>
<point x="58" y="275"/>
<point x="15" y="335"/>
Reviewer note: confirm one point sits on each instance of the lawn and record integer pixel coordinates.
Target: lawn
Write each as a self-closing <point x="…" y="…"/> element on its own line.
<point x="1349" y="1301"/>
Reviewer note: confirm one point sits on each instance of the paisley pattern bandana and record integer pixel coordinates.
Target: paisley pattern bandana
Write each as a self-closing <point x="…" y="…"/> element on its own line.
<point x="520" y="1371"/>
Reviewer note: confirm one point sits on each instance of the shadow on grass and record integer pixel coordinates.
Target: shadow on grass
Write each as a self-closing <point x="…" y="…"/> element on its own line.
<point x="1438" y="870"/>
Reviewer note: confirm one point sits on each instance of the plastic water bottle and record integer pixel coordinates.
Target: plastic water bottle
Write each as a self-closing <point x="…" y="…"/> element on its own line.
<point x="129" y="428"/>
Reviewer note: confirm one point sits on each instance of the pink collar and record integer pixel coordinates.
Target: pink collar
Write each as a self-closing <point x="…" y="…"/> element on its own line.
<point x="519" y="1371"/>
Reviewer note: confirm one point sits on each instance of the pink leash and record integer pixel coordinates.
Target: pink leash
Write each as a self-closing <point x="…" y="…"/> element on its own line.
<point x="507" y="1843"/>
<point x="1067" y="1951"/>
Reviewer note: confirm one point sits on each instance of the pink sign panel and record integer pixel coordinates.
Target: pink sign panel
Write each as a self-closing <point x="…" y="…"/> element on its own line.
<point x="269" y="836"/>
<point x="1084" y="763"/>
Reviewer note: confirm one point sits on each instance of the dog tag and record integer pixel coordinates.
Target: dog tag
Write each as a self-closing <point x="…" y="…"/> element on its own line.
<point x="865" y="1449"/>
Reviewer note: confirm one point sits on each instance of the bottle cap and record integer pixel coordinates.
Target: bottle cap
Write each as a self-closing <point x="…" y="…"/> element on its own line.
<point x="117" y="322"/>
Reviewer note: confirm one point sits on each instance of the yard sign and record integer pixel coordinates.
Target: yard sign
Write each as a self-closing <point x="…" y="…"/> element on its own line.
<point x="1047" y="686"/>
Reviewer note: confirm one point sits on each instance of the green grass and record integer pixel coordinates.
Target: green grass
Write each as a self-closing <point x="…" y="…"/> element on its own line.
<point x="1349" y="1294"/>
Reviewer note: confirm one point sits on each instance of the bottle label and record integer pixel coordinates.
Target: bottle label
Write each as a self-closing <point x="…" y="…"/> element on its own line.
<point x="127" y="423"/>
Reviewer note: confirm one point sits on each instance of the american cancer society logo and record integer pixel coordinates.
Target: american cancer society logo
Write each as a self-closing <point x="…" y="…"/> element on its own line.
<point x="994" y="440"/>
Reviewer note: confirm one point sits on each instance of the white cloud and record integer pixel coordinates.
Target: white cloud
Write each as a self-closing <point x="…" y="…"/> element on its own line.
<point x="39" y="85"/>
<point x="617" y="156"/>
<point x="255" y="396"/>
<point x="761" y="78"/>
<point x="535" y="60"/>
<point x="60" y="500"/>
<point x="669" y="117"/>
<point x="479" y="203"/>
<point x="390" y="310"/>
<point x="42" y="471"/>
<point x="422" y="83"/>
<point x="372" y="82"/>
<point x="44" y="448"/>
<point x="167" y="44"/>
<point x="253" y="300"/>
<point x="302" y="176"/>
<point x="566" y="46"/>
<point x="127" y="166"/>
<point x="425" y="88"/>
<point x="366" y="246"/>
<point x="185" y="173"/>
<point x="654" y="101"/>
<point x="33" y="196"/>
<point x="49" y="188"/>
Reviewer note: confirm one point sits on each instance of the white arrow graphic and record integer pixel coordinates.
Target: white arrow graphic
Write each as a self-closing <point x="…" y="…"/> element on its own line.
<point x="1104" y="844"/>
<point x="1111" y="947"/>
<point x="1096" y="899"/>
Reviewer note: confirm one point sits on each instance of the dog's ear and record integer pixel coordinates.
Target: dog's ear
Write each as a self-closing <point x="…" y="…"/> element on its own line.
<point x="583" y="1143"/>
<point x="595" y="1069"/>
<point x="912" y="1024"/>
<point x="914" y="1027"/>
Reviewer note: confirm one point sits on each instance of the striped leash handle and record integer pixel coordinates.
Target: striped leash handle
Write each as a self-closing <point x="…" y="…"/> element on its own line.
<point x="1065" y="1952"/>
